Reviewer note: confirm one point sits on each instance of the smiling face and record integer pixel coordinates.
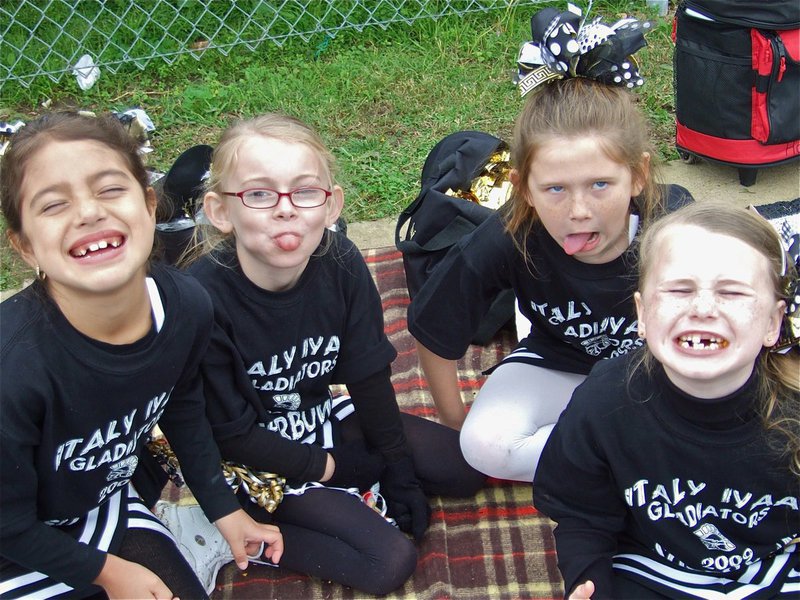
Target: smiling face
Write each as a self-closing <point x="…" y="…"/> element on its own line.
<point x="86" y="222"/>
<point x="706" y="309"/>
<point x="582" y="197"/>
<point x="274" y="244"/>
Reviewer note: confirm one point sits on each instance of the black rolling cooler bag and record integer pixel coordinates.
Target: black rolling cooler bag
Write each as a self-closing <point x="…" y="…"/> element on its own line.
<point x="737" y="82"/>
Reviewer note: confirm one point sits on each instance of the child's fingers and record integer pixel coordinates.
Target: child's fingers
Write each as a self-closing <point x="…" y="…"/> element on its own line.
<point x="274" y="552"/>
<point x="583" y="592"/>
<point x="265" y="555"/>
<point x="245" y="537"/>
<point x="240" y="556"/>
<point x="271" y="536"/>
<point x="254" y="549"/>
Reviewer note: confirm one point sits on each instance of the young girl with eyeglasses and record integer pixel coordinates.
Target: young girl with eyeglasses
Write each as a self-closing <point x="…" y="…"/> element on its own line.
<point x="583" y="188"/>
<point x="95" y="353"/>
<point x="297" y="311"/>
<point x="675" y="470"/>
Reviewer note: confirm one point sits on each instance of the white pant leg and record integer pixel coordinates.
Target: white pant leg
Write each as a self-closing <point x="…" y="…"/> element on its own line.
<point x="511" y="418"/>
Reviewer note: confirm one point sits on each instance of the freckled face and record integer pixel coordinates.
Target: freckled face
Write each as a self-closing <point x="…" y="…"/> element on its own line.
<point x="582" y="197"/>
<point x="707" y="308"/>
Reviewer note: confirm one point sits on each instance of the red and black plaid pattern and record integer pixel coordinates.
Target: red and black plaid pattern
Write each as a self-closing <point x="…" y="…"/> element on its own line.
<point x="494" y="545"/>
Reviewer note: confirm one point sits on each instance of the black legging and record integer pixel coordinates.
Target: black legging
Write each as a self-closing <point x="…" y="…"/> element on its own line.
<point x="334" y="536"/>
<point x="158" y="553"/>
<point x="438" y="461"/>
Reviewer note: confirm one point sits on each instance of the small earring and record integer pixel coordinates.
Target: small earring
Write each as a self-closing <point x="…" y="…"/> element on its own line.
<point x="640" y="333"/>
<point x="40" y="275"/>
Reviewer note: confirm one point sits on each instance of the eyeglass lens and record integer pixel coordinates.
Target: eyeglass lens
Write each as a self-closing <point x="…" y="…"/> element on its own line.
<point x="301" y="198"/>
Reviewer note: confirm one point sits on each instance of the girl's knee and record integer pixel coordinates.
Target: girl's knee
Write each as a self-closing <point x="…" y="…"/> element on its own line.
<point x="498" y="451"/>
<point x="483" y="447"/>
<point x="470" y="481"/>
<point x="396" y="566"/>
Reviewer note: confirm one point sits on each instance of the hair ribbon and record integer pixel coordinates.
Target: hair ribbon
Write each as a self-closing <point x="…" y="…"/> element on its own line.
<point x="563" y="46"/>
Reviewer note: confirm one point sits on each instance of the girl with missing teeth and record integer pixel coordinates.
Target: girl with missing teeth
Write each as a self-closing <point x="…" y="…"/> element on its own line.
<point x="675" y="470"/>
<point x="96" y="352"/>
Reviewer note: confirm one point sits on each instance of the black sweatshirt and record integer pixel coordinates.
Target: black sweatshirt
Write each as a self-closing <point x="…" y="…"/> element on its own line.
<point x="646" y="479"/>
<point x="74" y="415"/>
<point x="275" y="354"/>
<point x="580" y="312"/>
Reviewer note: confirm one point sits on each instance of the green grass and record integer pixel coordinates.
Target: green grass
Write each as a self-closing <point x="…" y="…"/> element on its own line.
<point x="380" y="98"/>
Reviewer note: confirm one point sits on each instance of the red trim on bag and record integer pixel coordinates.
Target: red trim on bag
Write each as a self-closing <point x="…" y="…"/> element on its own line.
<point x="737" y="152"/>
<point x="762" y="65"/>
<point x="759" y="122"/>
<point x="791" y="40"/>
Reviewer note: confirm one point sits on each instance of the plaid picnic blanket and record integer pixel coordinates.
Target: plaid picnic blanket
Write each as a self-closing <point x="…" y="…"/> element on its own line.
<point x="495" y="545"/>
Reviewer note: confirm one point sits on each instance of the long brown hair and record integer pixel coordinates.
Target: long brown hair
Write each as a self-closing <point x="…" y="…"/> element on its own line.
<point x="778" y="374"/>
<point x="577" y="107"/>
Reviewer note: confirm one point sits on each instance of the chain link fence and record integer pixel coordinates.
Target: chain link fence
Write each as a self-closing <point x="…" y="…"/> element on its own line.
<point x="48" y="38"/>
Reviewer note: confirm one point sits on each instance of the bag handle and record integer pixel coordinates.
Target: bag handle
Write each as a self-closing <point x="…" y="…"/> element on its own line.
<point x="402" y="220"/>
<point x="455" y="230"/>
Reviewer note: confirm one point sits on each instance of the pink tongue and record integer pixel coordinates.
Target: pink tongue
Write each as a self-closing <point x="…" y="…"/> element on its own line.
<point x="287" y="242"/>
<point x="575" y="242"/>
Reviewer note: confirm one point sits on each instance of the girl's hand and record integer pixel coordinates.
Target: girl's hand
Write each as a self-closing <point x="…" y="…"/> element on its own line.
<point x="354" y="466"/>
<point x="583" y="592"/>
<point x="122" y="578"/>
<point x="405" y="500"/>
<point x="245" y="536"/>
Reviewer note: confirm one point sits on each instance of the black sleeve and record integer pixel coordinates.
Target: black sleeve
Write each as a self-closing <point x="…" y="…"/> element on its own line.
<point x="185" y="425"/>
<point x="365" y="348"/>
<point x="573" y="485"/>
<point x="378" y="414"/>
<point x="449" y="307"/>
<point x="24" y="394"/>
<point x="232" y="406"/>
<point x="24" y="539"/>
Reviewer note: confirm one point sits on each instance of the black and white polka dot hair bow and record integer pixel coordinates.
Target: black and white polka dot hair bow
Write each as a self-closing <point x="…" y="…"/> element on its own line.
<point x="563" y="45"/>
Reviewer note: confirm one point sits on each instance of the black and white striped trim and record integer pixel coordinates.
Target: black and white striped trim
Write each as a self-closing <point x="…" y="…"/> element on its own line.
<point x="777" y="577"/>
<point x="103" y="527"/>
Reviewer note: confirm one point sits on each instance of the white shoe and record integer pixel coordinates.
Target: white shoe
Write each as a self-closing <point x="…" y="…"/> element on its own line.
<point x="200" y="542"/>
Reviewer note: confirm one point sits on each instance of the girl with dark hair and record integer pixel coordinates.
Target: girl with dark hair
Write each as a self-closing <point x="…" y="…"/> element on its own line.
<point x="95" y="353"/>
